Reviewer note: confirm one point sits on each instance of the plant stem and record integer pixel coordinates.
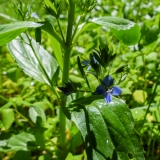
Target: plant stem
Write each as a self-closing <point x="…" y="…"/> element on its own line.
<point x="60" y="30"/>
<point x="66" y="67"/>
<point x="154" y="91"/>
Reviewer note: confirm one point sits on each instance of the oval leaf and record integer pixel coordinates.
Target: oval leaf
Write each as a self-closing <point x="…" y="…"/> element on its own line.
<point x="12" y="30"/>
<point x="7" y="117"/>
<point x="108" y="131"/>
<point x="27" y="59"/>
<point x="37" y="114"/>
<point x="123" y="29"/>
<point x="22" y="141"/>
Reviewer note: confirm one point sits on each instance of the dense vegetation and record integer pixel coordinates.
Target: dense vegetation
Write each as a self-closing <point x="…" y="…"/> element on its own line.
<point x="30" y="123"/>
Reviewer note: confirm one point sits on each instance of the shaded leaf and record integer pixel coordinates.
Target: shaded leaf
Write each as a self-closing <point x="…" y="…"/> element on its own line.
<point x="12" y="30"/>
<point x="38" y="35"/>
<point x="25" y="155"/>
<point x="82" y="71"/>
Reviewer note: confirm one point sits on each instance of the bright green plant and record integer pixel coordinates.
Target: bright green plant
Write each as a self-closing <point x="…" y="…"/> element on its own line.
<point x="104" y="122"/>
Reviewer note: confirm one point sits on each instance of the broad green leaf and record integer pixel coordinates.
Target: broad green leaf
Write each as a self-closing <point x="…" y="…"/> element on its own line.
<point x="22" y="141"/>
<point x="123" y="29"/>
<point x="108" y="131"/>
<point x="25" y="155"/>
<point x="34" y="60"/>
<point x="37" y="114"/>
<point x="7" y="117"/>
<point x="12" y="30"/>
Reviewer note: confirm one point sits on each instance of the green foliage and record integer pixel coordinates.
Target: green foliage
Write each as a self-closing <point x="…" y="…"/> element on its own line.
<point x="117" y="138"/>
<point x="123" y="29"/>
<point x="33" y="126"/>
<point x="12" y="30"/>
<point x="7" y="117"/>
<point x="32" y="58"/>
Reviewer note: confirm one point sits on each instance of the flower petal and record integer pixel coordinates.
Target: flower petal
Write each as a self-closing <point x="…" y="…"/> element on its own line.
<point x="108" y="97"/>
<point x="116" y="91"/>
<point x="100" y="89"/>
<point x="108" y="81"/>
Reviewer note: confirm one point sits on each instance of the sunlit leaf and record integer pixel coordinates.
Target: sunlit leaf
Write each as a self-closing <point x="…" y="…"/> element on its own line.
<point x="140" y="96"/>
<point x="7" y="117"/>
<point x="33" y="59"/>
<point x="108" y="131"/>
<point x="123" y="29"/>
<point x="37" y="114"/>
<point x="22" y="141"/>
<point x="12" y="30"/>
<point x="25" y="155"/>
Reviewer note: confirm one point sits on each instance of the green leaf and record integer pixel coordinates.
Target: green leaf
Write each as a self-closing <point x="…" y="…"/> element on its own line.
<point x="7" y="117"/>
<point x="33" y="59"/>
<point x="87" y="99"/>
<point x="12" y="30"/>
<point x="108" y="131"/>
<point x="140" y="96"/>
<point x="57" y="51"/>
<point x="82" y="71"/>
<point x="45" y="157"/>
<point x="123" y="29"/>
<point x="48" y="27"/>
<point x="22" y="141"/>
<point x="25" y="155"/>
<point x="74" y="157"/>
<point x="37" y="114"/>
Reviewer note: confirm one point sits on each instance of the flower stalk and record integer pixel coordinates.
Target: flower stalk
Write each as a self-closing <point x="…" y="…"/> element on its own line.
<point x="66" y="67"/>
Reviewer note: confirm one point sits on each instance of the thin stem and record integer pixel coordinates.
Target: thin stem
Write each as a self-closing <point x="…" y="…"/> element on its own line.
<point x="66" y="67"/>
<point x="60" y="30"/>
<point x="150" y="101"/>
<point x="81" y="17"/>
<point x="26" y="119"/>
<point x="138" y="10"/>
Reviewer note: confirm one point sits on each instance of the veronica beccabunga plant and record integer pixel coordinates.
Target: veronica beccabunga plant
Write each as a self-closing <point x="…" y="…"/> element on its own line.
<point x="105" y="129"/>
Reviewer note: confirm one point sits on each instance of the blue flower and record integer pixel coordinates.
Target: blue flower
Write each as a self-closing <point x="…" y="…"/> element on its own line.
<point x="107" y="90"/>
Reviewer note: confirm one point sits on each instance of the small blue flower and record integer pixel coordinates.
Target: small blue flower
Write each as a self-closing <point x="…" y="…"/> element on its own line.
<point x="34" y="15"/>
<point x="107" y="90"/>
